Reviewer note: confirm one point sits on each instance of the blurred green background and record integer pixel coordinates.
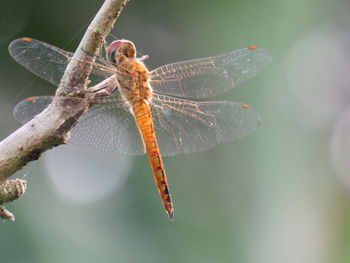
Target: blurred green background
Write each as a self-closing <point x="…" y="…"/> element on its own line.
<point x="278" y="195"/>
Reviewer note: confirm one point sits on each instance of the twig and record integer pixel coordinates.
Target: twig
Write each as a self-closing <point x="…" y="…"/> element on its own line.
<point x="51" y="127"/>
<point x="10" y="190"/>
<point x="6" y="214"/>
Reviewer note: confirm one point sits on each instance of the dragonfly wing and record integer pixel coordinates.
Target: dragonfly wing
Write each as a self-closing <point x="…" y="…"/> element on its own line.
<point x="49" y="62"/>
<point x="207" y="77"/>
<point x="28" y="108"/>
<point x="184" y="126"/>
<point x="44" y="60"/>
<point x="107" y="126"/>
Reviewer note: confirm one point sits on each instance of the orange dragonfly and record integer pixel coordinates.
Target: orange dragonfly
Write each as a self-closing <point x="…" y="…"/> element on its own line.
<point x="135" y="110"/>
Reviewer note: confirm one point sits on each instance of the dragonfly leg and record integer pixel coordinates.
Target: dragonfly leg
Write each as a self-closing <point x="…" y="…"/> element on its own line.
<point x="144" y="57"/>
<point x="106" y="87"/>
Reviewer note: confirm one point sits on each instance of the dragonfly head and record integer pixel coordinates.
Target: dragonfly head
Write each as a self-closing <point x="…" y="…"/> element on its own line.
<point x="118" y="50"/>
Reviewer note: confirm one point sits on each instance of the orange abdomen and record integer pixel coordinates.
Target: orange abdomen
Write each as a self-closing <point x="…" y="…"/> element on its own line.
<point x="143" y="116"/>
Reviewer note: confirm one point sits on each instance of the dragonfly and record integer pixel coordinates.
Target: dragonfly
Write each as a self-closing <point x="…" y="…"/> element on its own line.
<point x="160" y="112"/>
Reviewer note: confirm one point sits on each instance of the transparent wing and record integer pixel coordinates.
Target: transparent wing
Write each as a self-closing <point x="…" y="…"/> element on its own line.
<point x="28" y="108"/>
<point x="108" y="126"/>
<point x="181" y="126"/>
<point x="49" y="62"/>
<point x="184" y="126"/>
<point x="206" y="77"/>
<point x="44" y="60"/>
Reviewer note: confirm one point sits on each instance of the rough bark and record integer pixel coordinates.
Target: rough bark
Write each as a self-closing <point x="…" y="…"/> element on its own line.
<point x="51" y="127"/>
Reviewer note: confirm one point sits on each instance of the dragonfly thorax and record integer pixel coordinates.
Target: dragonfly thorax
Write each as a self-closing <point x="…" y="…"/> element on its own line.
<point x="133" y="81"/>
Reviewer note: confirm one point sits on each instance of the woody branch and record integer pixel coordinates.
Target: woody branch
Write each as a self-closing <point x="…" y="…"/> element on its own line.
<point x="51" y="127"/>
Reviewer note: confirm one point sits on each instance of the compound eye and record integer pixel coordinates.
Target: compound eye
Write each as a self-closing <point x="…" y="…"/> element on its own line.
<point x="112" y="50"/>
<point x="129" y="49"/>
<point x="111" y="56"/>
